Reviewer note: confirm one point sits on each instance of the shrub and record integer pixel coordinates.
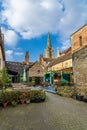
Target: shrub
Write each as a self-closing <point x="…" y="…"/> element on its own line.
<point x="14" y="97"/>
<point x="66" y="91"/>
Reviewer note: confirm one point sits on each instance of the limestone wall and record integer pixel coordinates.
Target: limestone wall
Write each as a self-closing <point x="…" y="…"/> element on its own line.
<point x="80" y="67"/>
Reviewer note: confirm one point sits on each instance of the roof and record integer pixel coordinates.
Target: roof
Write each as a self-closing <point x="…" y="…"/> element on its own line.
<point x="36" y="70"/>
<point x="16" y="66"/>
<point x="79" y="29"/>
<point x="60" y="59"/>
<point x="48" y="59"/>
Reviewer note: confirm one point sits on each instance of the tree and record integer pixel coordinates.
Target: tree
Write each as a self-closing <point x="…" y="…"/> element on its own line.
<point x="4" y="78"/>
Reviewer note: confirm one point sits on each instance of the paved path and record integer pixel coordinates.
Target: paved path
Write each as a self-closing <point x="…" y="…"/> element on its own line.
<point x="56" y="113"/>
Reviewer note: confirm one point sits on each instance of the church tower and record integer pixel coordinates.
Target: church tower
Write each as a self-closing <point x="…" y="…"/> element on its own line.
<point x="27" y="57"/>
<point x="49" y="51"/>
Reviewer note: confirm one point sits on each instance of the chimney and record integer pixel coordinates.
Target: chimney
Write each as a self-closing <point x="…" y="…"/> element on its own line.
<point x="40" y="58"/>
<point x="27" y="58"/>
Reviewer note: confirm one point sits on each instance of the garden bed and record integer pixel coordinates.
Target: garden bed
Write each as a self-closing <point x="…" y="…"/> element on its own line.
<point x="14" y="97"/>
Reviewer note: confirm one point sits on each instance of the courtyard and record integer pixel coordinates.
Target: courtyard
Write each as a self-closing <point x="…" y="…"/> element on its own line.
<point x="56" y="113"/>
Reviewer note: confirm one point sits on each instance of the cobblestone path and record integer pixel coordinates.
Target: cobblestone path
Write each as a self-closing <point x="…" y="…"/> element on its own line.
<point x="56" y="113"/>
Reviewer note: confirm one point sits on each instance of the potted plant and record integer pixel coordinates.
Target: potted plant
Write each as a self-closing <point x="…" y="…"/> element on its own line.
<point x="5" y="98"/>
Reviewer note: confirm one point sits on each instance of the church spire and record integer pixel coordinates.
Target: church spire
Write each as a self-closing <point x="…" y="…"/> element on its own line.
<point x="49" y="51"/>
<point x="48" y="41"/>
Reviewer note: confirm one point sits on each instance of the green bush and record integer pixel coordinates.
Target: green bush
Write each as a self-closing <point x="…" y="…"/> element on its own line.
<point x="66" y="91"/>
<point x="14" y="97"/>
<point x="40" y="94"/>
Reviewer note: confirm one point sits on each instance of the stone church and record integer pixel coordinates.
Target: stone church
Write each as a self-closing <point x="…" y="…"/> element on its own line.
<point x="49" y="51"/>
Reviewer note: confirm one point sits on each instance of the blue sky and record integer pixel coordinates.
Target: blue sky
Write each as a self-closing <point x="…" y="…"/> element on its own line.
<point x="25" y="24"/>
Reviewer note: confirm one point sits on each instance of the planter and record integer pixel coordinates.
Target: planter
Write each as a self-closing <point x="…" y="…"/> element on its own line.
<point x="4" y="104"/>
<point x="27" y="101"/>
<point x="79" y="97"/>
<point x="84" y="99"/>
<point x="37" y="99"/>
<point x="22" y="101"/>
<point x="43" y="99"/>
<point x="74" y="97"/>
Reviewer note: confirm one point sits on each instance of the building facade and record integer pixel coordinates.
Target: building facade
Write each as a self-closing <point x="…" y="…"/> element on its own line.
<point x="79" y="56"/>
<point x="35" y="73"/>
<point x="60" y="69"/>
<point x="2" y="52"/>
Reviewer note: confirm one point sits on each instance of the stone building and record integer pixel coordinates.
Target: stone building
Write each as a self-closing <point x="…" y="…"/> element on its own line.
<point x="36" y="72"/>
<point x="16" y="69"/>
<point x="48" y="54"/>
<point x="2" y="52"/>
<point x="49" y="51"/>
<point x="79" y="56"/>
<point x="60" y="69"/>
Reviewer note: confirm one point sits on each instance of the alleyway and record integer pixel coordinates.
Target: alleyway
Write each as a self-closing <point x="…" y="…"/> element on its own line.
<point x="56" y="113"/>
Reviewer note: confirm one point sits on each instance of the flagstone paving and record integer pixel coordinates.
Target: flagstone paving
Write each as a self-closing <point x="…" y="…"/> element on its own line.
<point x="56" y="113"/>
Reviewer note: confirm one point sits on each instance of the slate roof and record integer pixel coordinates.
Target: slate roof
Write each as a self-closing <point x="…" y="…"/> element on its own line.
<point x="17" y="66"/>
<point x="60" y="59"/>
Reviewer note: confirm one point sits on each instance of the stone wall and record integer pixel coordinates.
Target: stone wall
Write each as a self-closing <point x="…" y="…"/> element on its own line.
<point x="79" y="39"/>
<point x="80" y="67"/>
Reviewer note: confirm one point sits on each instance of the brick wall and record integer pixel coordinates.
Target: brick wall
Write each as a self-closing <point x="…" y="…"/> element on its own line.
<point x="80" y="67"/>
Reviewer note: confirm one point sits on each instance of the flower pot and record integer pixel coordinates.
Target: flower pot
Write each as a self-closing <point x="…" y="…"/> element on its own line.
<point x="79" y="97"/>
<point x="27" y="101"/>
<point x="85" y="99"/>
<point x="4" y="104"/>
<point x="22" y="101"/>
<point x="37" y="99"/>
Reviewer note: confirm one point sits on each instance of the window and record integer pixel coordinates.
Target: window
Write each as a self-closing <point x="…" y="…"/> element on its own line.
<point x="80" y="40"/>
<point x="38" y="71"/>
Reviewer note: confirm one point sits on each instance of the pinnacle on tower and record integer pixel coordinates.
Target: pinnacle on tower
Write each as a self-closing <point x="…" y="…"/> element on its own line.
<point x="49" y="41"/>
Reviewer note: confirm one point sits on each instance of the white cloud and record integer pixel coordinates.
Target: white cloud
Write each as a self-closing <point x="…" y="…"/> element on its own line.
<point x="18" y="53"/>
<point x="32" y="18"/>
<point x="65" y="44"/>
<point x="12" y="54"/>
<point x="10" y="36"/>
<point x="9" y="55"/>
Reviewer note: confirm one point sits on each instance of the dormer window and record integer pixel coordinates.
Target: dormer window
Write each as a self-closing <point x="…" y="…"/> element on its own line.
<point x="80" y="40"/>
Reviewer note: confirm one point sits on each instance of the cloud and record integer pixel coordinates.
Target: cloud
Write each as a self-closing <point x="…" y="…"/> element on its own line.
<point x="65" y="44"/>
<point x="9" y="55"/>
<point x="12" y="54"/>
<point x="11" y="37"/>
<point x="18" y="53"/>
<point x="32" y="18"/>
